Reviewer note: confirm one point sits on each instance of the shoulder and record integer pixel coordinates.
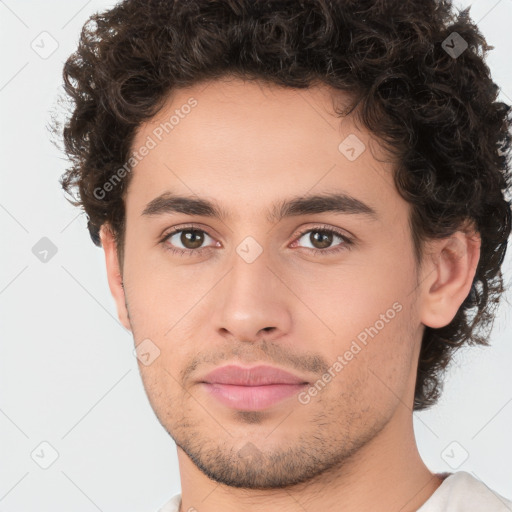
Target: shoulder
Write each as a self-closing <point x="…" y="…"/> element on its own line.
<point x="462" y="492"/>
<point x="173" y="505"/>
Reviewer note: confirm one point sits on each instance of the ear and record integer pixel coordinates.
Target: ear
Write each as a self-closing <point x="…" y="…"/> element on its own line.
<point x="114" y="276"/>
<point x="447" y="276"/>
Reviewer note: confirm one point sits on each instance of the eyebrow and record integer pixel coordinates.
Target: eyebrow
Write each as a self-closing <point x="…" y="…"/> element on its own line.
<point x="169" y="203"/>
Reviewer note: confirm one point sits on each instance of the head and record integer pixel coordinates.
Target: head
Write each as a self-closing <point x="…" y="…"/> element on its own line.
<point x="344" y="179"/>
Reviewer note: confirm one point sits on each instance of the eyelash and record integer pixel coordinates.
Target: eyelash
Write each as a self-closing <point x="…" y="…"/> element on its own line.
<point x="347" y="242"/>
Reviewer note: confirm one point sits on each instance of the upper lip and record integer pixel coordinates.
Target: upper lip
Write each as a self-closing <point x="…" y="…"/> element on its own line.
<point x="254" y="376"/>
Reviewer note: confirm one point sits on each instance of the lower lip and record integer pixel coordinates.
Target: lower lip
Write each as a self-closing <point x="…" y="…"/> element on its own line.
<point x="252" y="398"/>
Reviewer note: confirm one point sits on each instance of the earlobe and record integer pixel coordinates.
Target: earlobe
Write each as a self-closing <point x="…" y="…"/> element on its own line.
<point x="114" y="275"/>
<point x="447" y="280"/>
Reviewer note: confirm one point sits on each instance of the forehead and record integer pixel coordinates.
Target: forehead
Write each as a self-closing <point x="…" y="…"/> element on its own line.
<point x="245" y="141"/>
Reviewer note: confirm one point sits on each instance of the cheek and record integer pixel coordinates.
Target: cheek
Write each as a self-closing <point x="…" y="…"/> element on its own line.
<point x="358" y="298"/>
<point x="160" y="381"/>
<point x="371" y="369"/>
<point x="374" y="317"/>
<point x="160" y="293"/>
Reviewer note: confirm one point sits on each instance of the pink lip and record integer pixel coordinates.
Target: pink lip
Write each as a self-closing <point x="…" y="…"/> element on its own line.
<point x="251" y="389"/>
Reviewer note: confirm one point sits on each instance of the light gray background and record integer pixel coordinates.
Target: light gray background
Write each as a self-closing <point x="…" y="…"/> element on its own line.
<point x="68" y="376"/>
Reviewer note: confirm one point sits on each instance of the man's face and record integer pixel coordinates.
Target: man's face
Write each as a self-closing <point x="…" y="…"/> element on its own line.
<point x="273" y="292"/>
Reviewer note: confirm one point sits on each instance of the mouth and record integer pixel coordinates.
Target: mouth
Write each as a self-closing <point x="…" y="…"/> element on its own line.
<point x="251" y="389"/>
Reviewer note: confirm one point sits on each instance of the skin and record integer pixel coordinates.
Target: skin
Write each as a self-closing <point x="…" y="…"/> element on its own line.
<point x="247" y="145"/>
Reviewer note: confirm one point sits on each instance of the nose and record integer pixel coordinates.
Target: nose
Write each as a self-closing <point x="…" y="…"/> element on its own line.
<point x="252" y="302"/>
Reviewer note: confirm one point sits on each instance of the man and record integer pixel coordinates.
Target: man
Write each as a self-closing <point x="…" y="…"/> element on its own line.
<point x="302" y="209"/>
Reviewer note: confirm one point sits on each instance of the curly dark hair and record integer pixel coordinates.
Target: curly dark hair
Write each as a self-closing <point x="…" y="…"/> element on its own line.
<point x="436" y="112"/>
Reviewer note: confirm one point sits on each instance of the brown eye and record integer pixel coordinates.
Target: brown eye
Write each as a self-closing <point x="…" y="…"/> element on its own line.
<point x="323" y="240"/>
<point x="320" y="239"/>
<point x="192" y="239"/>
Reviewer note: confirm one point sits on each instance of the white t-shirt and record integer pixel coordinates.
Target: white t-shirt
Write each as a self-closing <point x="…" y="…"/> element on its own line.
<point x="459" y="492"/>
